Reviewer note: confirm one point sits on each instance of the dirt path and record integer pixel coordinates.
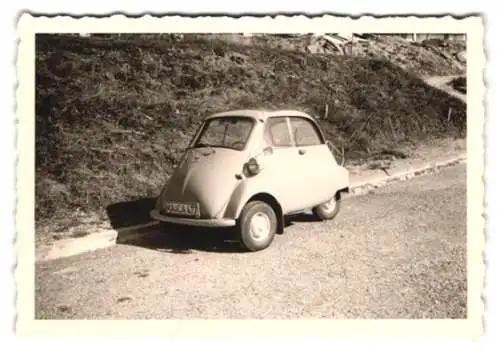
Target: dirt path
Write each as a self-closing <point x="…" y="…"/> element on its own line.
<point x="441" y="83"/>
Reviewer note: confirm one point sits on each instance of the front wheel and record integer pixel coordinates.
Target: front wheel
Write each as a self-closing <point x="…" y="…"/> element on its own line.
<point x="328" y="210"/>
<point x="257" y="226"/>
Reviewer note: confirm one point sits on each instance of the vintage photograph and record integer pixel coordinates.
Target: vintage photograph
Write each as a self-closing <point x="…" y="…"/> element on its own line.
<point x="252" y="175"/>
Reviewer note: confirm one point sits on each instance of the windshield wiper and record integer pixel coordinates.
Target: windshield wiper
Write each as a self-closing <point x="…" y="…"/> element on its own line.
<point x="200" y="145"/>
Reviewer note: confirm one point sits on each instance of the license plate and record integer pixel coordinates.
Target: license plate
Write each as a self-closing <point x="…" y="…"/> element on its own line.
<point x="183" y="209"/>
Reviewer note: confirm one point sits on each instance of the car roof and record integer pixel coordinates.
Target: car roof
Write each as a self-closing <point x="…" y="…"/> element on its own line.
<point x="261" y="114"/>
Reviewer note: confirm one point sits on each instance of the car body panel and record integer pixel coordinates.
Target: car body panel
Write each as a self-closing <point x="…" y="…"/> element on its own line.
<point x="198" y="178"/>
<point x="297" y="176"/>
<point x="292" y="195"/>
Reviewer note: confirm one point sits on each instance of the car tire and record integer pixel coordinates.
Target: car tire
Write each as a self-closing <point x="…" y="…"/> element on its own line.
<point x="256" y="226"/>
<point x="328" y="210"/>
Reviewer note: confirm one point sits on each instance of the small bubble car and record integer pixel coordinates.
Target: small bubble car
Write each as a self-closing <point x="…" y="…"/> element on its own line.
<point x="248" y="169"/>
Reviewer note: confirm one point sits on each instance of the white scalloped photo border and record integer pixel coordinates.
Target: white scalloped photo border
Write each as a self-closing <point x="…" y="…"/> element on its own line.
<point x="29" y="25"/>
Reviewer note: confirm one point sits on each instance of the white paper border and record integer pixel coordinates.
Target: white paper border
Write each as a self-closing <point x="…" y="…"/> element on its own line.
<point x="24" y="273"/>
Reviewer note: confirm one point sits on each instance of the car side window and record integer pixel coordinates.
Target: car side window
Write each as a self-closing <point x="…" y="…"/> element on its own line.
<point x="305" y="132"/>
<point x="278" y="133"/>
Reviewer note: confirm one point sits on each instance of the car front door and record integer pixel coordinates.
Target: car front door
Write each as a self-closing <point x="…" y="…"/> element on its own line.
<point x="315" y="160"/>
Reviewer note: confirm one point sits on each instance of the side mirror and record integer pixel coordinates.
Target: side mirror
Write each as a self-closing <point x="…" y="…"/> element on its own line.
<point x="268" y="151"/>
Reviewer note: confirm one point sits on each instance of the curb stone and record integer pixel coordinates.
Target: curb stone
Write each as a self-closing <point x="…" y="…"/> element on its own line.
<point x="92" y="242"/>
<point x="109" y="238"/>
<point x="366" y="186"/>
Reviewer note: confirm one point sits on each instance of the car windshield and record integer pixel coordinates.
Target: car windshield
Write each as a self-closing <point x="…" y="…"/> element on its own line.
<point x="227" y="132"/>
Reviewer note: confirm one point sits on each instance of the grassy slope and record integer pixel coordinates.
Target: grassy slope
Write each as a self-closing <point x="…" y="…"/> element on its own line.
<point x="113" y="115"/>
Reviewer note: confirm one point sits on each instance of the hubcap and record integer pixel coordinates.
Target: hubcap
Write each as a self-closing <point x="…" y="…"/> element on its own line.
<point x="260" y="226"/>
<point x="330" y="205"/>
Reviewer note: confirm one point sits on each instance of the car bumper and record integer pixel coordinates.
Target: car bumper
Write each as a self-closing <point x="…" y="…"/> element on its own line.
<point x="222" y="222"/>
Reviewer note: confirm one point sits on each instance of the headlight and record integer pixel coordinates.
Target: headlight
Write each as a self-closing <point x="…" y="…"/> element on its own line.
<point x="253" y="166"/>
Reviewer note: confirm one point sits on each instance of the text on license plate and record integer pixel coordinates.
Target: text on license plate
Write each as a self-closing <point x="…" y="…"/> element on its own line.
<point x="187" y="209"/>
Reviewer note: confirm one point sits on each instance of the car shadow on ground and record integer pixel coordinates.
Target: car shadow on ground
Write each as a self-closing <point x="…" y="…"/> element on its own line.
<point x="180" y="240"/>
<point x="131" y="213"/>
<point x="184" y="240"/>
<point x="302" y="217"/>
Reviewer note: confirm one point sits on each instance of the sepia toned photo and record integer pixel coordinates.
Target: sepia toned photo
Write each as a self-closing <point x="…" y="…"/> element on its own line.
<point x="288" y="170"/>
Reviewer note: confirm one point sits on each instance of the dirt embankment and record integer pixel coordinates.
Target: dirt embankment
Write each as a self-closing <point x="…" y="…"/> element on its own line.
<point x="114" y="114"/>
<point x="432" y="57"/>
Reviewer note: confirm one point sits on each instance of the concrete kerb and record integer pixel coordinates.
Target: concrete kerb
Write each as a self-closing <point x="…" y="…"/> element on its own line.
<point x="109" y="238"/>
<point x="366" y="186"/>
<point x="99" y="240"/>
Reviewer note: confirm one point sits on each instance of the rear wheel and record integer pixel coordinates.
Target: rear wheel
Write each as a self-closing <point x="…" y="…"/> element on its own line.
<point x="256" y="226"/>
<point x="328" y="210"/>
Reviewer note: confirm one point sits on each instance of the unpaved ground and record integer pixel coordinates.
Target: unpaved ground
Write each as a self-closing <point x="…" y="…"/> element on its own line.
<point x="396" y="253"/>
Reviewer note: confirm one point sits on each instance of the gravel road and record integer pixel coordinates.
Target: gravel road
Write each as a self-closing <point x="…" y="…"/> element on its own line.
<point x="397" y="253"/>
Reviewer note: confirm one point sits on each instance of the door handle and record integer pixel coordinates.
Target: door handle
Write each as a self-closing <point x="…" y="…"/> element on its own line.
<point x="301" y="151"/>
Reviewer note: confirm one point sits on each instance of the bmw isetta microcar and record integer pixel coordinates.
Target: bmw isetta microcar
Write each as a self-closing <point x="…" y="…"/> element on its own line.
<point x="248" y="169"/>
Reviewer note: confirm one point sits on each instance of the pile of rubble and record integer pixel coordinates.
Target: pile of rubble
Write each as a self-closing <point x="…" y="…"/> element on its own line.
<point x="435" y="56"/>
<point x="426" y="55"/>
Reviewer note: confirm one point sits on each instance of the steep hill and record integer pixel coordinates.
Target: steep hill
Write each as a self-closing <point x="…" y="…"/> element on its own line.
<point x="113" y="114"/>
